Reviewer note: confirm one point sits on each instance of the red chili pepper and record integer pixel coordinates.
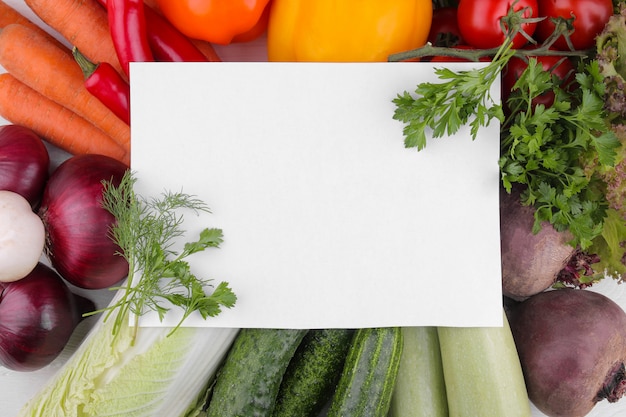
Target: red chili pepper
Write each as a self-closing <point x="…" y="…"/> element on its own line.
<point x="127" y="23"/>
<point x="167" y="43"/>
<point x="106" y="84"/>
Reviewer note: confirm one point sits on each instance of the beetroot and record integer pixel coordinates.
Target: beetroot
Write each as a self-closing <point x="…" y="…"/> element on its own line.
<point x="572" y="347"/>
<point x="530" y="262"/>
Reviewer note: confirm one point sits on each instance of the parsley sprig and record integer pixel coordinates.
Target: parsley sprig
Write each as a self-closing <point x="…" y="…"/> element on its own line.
<point x="146" y="230"/>
<point x="556" y="151"/>
<point x="461" y="97"/>
<point x="464" y="97"/>
<point x="442" y="108"/>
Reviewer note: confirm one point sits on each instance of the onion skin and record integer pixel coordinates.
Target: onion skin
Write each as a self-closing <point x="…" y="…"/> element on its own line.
<point x="24" y="162"/>
<point x="38" y="314"/>
<point x="78" y="241"/>
<point x="572" y="347"/>
<point x="530" y="262"/>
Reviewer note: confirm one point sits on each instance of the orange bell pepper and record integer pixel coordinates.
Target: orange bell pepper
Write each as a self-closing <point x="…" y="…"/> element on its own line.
<point x="346" y="30"/>
<point x="216" y="21"/>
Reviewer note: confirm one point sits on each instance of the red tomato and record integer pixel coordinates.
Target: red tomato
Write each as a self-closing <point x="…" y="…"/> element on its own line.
<point x="562" y="67"/>
<point x="479" y="21"/>
<point x="444" y="30"/>
<point x="590" y="18"/>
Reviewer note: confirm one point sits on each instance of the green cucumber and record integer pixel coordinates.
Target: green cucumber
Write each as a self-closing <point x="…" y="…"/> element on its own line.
<point x="249" y="380"/>
<point x="483" y="372"/>
<point x="369" y="374"/>
<point x="313" y="373"/>
<point x="420" y="389"/>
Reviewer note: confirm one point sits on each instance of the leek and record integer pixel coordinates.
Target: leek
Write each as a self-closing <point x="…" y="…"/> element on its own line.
<point x="144" y="372"/>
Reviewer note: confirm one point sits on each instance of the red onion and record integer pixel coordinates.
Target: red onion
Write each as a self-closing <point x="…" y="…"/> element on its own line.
<point x="78" y="241"/>
<point x="24" y="162"/>
<point x="38" y="314"/>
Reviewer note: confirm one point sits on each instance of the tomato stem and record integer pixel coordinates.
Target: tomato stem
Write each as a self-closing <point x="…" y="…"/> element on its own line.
<point x="512" y="24"/>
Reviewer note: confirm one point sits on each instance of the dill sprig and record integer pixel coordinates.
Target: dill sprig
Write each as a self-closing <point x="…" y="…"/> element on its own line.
<point x="159" y="276"/>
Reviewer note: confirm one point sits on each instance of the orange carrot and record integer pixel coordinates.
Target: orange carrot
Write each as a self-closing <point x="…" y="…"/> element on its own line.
<point x="43" y="66"/>
<point x="21" y="105"/>
<point x="84" y="23"/>
<point x="9" y="15"/>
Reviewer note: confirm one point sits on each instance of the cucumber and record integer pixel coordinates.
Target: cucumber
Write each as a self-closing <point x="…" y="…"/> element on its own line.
<point x="313" y="373"/>
<point x="249" y="380"/>
<point x="482" y="371"/>
<point x="420" y="389"/>
<point x="369" y="374"/>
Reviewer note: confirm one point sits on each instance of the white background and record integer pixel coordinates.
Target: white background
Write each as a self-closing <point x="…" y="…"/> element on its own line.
<point x="325" y="214"/>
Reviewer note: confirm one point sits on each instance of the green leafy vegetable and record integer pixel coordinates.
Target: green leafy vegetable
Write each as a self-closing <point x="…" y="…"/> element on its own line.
<point x="463" y="97"/>
<point x="569" y="158"/>
<point x="611" y="56"/>
<point x="611" y="246"/>
<point x="611" y="49"/>
<point x="140" y="373"/>
<point x="556" y="151"/>
<point x="443" y="108"/>
<point x="145" y="231"/>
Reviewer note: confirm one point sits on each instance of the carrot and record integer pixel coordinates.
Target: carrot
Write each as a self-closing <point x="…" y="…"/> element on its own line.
<point x="8" y="15"/>
<point x="83" y="23"/>
<point x="43" y="66"/>
<point x="21" y="105"/>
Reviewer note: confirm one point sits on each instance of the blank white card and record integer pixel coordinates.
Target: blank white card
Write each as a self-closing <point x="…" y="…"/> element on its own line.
<point x="328" y="220"/>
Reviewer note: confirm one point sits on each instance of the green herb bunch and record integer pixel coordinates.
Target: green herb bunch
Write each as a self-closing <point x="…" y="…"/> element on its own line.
<point x="442" y="108"/>
<point x="146" y="230"/>
<point x="568" y="157"/>
<point x="556" y="152"/>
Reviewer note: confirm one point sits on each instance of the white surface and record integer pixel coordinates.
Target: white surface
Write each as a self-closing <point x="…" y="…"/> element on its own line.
<point x="16" y="388"/>
<point x="326" y="216"/>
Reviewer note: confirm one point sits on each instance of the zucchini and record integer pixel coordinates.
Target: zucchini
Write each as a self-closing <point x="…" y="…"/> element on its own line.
<point x="248" y="382"/>
<point x="368" y="376"/>
<point x="482" y="371"/>
<point x="313" y="373"/>
<point x="420" y="389"/>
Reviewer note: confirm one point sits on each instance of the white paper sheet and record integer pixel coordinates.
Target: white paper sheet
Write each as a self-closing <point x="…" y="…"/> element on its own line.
<point x="328" y="220"/>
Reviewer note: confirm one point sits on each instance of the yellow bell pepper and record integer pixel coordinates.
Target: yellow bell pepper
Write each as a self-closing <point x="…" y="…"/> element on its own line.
<point x="346" y="30"/>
